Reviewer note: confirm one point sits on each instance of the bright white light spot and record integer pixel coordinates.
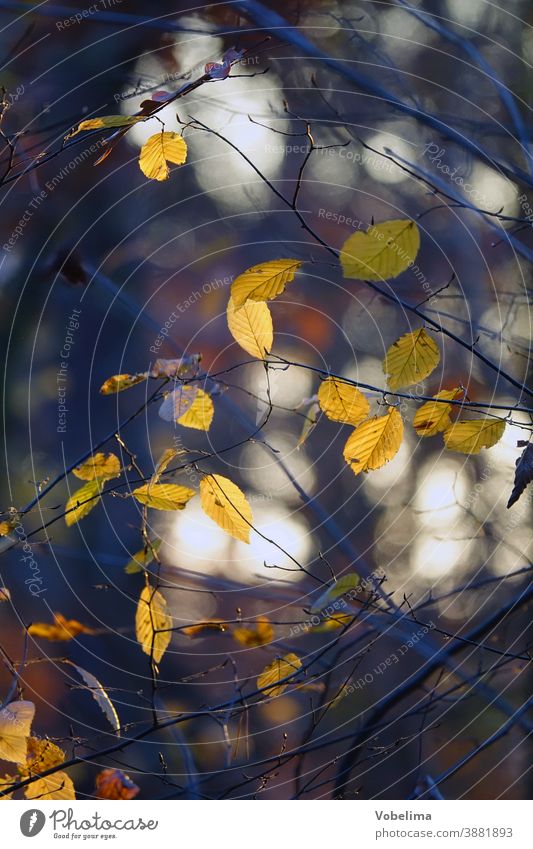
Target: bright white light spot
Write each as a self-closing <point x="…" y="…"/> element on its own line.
<point x="440" y="491"/>
<point x="434" y="558"/>
<point x="382" y="169"/>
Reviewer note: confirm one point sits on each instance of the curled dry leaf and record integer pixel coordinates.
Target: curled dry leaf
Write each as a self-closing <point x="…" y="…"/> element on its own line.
<point x="120" y="382"/>
<point x="61" y="630"/>
<point x="523" y="474"/>
<point x="181" y="367"/>
<point x="115" y="784"/>
<point x="201" y="629"/>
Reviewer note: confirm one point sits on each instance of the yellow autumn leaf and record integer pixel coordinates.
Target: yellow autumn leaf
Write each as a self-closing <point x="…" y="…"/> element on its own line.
<point x="177" y="402"/>
<point x="469" y="436"/>
<point x="263" y="282"/>
<point x="434" y="416"/>
<point x="276" y="671"/>
<point x="152" y="623"/>
<point x="141" y="559"/>
<point x="61" y="629"/>
<point x="251" y="327"/>
<point x="42" y="754"/>
<point x="374" y="442"/>
<point x="6" y="527"/>
<point x="102" y="466"/>
<point x="15" y="725"/>
<point x="82" y="502"/>
<point x="200" y="628"/>
<point x="7" y="781"/>
<point x="106" y="122"/>
<point x="163" y="496"/>
<point x="410" y="359"/>
<point x="342" y="402"/>
<point x="226" y="504"/>
<point x="383" y="252"/>
<point x="58" y="786"/>
<point x="332" y="622"/>
<point x="200" y="413"/>
<point x="120" y="382"/>
<point x="160" y="149"/>
<point x="343" y="585"/>
<point x="262" y="634"/>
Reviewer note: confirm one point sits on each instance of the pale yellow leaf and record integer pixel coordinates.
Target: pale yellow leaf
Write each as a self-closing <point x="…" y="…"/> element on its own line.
<point x="160" y="149"/>
<point x="106" y="122"/>
<point x="152" y="623"/>
<point x="311" y="418"/>
<point x="469" y="436"/>
<point x="383" y="252"/>
<point x="82" y="502"/>
<point x="201" y="411"/>
<point x="58" y="786"/>
<point x="374" y="442"/>
<point x="226" y="504"/>
<point x="102" y="466"/>
<point x="434" y="416"/>
<point x="343" y="585"/>
<point x="42" y="755"/>
<point x="410" y="359"/>
<point x="342" y="402"/>
<point x="99" y="694"/>
<point x="276" y="671"/>
<point x="163" y="496"/>
<point x="251" y="327"/>
<point x="15" y="725"/>
<point x="263" y="282"/>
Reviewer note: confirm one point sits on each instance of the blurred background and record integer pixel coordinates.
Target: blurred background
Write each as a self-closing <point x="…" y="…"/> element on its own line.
<point x="127" y="253"/>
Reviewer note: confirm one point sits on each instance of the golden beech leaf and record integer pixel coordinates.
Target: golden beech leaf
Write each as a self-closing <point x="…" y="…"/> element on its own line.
<point x="160" y="149"/>
<point x="120" y="382"/>
<point x="263" y="282"/>
<point x="106" y="122"/>
<point x="434" y="416"/>
<point x="163" y="496"/>
<point x="411" y="358"/>
<point x="374" y="442"/>
<point x="82" y="502"/>
<point x="469" y="436"/>
<point x="42" y="755"/>
<point x="7" y="781"/>
<point x="262" y="634"/>
<point x="342" y="402"/>
<point x="226" y="504"/>
<point x="276" y="671"/>
<point x="101" y="466"/>
<point x="15" y="725"/>
<point x="177" y="403"/>
<point x="251" y="327"/>
<point x="383" y="252"/>
<point x="164" y="461"/>
<point x="332" y="622"/>
<point x="6" y="527"/>
<point x="57" y="786"/>
<point x="343" y="585"/>
<point x="141" y="559"/>
<point x="201" y="628"/>
<point x="60" y="630"/>
<point x="115" y="784"/>
<point x="200" y="413"/>
<point x="152" y="623"/>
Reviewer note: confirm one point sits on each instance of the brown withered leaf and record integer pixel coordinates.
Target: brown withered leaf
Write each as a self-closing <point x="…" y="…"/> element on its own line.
<point x="524" y="472"/>
<point x="115" y="784"/>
